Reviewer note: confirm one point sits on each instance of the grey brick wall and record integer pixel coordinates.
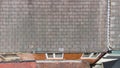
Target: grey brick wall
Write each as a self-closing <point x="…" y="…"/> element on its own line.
<point x="69" y="26"/>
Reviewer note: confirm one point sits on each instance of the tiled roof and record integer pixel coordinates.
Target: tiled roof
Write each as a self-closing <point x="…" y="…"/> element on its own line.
<point x="115" y="25"/>
<point x="69" y="26"/>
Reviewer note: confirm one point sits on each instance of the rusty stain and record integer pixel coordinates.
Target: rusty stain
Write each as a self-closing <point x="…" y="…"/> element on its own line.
<point x="39" y="56"/>
<point x="72" y="56"/>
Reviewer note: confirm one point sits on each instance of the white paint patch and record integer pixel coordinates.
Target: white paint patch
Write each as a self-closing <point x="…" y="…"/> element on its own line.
<point x="112" y="32"/>
<point x="111" y="39"/>
<point x="113" y="11"/>
<point x="119" y="35"/>
<point x="61" y="49"/>
<point x="112" y="18"/>
<point x="113" y="3"/>
<point x="112" y="25"/>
